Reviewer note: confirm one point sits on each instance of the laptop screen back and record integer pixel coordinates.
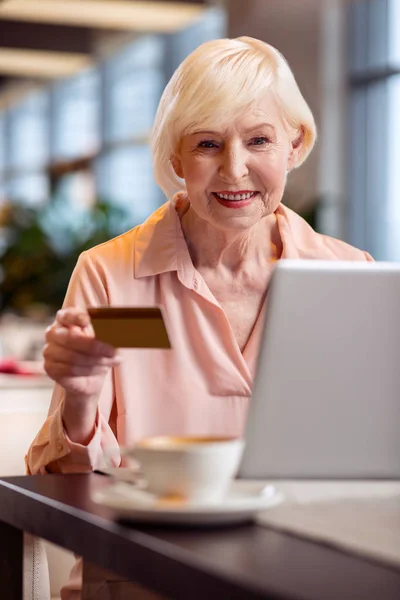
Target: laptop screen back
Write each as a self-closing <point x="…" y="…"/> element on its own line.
<point x="326" y="399"/>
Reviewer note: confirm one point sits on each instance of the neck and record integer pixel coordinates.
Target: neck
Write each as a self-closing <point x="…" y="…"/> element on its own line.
<point x="210" y="247"/>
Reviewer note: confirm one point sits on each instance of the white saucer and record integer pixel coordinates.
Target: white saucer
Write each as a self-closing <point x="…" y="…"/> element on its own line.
<point x="241" y="503"/>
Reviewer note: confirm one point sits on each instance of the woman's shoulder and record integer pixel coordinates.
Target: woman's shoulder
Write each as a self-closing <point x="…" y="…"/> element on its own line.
<point x="311" y="244"/>
<point x="108" y="262"/>
<point x="106" y="273"/>
<point x="343" y="250"/>
<point x="122" y="247"/>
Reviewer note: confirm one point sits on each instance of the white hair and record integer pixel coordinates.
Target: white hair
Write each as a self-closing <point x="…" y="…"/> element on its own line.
<point x="214" y="84"/>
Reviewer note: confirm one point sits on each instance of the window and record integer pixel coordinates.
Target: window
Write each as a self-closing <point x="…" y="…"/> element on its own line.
<point x="125" y="177"/>
<point x="2" y="158"/>
<point x="2" y="145"/>
<point x="134" y="83"/>
<point x="393" y="180"/>
<point x="76" y="116"/>
<point x="77" y="188"/>
<point x="393" y="36"/>
<point x="28" y="141"/>
<point x="87" y="136"/>
<point x="30" y="189"/>
<point x="375" y="128"/>
<point x="27" y="153"/>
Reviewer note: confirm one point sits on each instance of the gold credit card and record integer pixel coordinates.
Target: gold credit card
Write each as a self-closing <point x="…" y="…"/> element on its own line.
<point x="124" y="327"/>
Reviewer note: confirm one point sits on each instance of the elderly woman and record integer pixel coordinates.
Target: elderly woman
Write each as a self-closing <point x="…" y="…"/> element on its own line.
<point x="230" y="126"/>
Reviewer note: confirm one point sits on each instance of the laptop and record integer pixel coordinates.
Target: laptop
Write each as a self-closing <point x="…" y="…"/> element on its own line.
<point x="326" y="398"/>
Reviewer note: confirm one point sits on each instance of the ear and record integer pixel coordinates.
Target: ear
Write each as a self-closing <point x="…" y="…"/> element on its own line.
<point x="297" y="145"/>
<point x="177" y="166"/>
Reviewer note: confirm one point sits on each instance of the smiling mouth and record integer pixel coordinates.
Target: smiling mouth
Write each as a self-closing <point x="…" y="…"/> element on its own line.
<point x="235" y="197"/>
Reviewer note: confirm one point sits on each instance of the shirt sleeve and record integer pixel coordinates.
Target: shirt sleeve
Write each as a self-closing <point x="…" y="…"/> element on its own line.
<point x="52" y="450"/>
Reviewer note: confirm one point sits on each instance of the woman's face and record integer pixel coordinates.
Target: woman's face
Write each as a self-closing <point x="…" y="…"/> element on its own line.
<point x="236" y="175"/>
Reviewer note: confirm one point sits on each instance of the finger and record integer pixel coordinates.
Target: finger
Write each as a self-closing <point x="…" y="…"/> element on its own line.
<point x="73" y="316"/>
<point x="76" y="340"/>
<point x="57" y="353"/>
<point x="58" y="323"/>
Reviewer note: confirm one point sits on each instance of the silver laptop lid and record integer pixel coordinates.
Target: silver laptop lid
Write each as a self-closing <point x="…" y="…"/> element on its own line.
<point x="326" y="400"/>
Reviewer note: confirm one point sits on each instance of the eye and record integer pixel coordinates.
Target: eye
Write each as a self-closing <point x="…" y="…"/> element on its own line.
<point x="207" y="144"/>
<point x="260" y="141"/>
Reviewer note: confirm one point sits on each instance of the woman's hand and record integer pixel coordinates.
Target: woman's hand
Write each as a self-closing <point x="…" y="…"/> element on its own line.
<point x="73" y="356"/>
<point x="79" y="363"/>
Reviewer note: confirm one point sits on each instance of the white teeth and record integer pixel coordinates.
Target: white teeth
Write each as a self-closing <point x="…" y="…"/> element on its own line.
<point x="236" y="196"/>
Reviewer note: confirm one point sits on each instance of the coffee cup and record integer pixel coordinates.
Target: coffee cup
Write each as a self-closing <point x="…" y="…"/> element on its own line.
<point x="193" y="469"/>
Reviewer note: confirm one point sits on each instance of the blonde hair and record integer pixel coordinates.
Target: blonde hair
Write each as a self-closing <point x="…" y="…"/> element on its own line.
<point x="214" y="84"/>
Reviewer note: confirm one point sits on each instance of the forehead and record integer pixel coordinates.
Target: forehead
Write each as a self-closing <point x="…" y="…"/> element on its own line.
<point x="265" y="109"/>
<point x="264" y="113"/>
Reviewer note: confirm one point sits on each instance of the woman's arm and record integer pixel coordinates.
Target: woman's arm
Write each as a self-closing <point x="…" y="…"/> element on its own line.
<point x="77" y="431"/>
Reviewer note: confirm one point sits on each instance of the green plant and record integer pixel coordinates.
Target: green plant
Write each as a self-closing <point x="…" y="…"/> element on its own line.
<point x="39" y="249"/>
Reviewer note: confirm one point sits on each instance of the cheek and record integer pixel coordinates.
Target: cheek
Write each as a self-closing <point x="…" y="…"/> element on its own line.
<point x="272" y="171"/>
<point x="197" y="171"/>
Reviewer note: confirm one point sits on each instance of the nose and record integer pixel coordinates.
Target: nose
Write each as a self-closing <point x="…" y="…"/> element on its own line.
<point x="233" y="165"/>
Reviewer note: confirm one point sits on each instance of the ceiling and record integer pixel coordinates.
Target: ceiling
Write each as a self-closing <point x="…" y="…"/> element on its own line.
<point x="47" y="39"/>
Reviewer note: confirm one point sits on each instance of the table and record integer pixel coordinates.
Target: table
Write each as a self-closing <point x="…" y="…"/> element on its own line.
<point x="245" y="562"/>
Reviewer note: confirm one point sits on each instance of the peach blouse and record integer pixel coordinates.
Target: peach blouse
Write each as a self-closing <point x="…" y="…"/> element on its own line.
<point x="203" y="385"/>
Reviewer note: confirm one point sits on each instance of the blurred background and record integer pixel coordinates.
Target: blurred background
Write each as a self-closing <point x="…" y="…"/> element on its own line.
<point x="80" y="81"/>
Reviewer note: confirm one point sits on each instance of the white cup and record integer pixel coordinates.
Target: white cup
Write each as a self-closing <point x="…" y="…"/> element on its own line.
<point x="193" y="469"/>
